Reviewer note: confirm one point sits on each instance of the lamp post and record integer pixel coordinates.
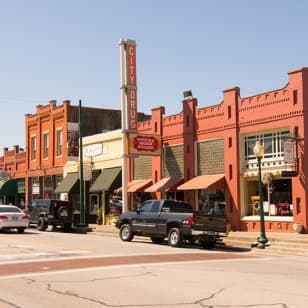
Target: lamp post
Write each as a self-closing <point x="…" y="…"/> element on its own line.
<point x="258" y="151"/>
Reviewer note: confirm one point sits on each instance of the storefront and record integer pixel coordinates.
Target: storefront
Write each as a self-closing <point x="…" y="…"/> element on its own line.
<point x="8" y="192"/>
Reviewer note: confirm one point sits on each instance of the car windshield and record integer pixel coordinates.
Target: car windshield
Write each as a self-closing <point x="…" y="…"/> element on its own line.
<point x="9" y="209"/>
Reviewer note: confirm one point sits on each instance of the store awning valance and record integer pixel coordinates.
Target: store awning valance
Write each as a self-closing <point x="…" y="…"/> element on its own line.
<point x="106" y="179"/>
<point x="8" y="187"/>
<point x="164" y="185"/>
<point x="68" y="183"/>
<point x="138" y="185"/>
<point x="216" y="181"/>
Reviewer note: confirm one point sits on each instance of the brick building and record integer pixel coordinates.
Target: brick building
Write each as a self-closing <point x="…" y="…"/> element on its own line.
<point x="211" y="150"/>
<point x="52" y="139"/>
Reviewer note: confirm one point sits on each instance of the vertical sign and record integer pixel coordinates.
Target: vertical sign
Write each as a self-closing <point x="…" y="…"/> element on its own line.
<point x="129" y="83"/>
<point x="128" y="104"/>
<point x="131" y="86"/>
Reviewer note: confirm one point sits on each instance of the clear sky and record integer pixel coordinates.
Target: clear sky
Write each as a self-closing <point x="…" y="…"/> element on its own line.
<point x="68" y="49"/>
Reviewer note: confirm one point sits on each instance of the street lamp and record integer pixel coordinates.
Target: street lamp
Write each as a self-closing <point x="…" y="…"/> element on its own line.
<point x="258" y="151"/>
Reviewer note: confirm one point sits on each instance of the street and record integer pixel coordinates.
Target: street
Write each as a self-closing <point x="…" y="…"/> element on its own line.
<point x="51" y="269"/>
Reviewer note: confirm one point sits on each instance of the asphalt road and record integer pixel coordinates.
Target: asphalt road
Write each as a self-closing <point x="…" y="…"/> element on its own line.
<point x="53" y="269"/>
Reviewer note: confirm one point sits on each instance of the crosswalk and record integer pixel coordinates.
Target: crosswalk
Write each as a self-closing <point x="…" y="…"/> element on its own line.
<point x="43" y="255"/>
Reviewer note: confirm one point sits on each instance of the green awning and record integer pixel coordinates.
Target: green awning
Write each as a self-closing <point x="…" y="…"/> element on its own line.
<point x="8" y="187"/>
<point x="107" y="179"/>
<point x="68" y="183"/>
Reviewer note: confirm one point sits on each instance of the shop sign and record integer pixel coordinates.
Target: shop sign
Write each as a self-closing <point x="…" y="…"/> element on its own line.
<point x="94" y="149"/>
<point x="131" y="89"/>
<point x="143" y="144"/>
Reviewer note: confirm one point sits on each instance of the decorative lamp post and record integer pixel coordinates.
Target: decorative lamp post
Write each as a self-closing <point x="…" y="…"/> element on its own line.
<point x="258" y="151"/>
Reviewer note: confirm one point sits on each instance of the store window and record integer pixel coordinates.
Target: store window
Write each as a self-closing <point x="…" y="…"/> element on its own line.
<point x="277" y="196"/>
<point x="59" y="142"/>
<point x="45" y="145"/>
<point x="211" y="201"/>
<point x="33" y="147"/>
<point x="94" y="203"/>
<point x="272" y="142"/>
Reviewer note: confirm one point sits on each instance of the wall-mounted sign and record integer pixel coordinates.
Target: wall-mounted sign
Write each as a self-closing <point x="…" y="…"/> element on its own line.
<point x="144" y="144"/>
<point x="3" y="175"/>
<point x="94" y="149"/>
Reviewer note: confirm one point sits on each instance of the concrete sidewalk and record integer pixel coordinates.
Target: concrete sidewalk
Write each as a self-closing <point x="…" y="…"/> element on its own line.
<point x="283" y="243"/>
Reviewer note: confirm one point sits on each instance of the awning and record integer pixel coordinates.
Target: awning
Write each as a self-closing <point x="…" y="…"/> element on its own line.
<point x="164" y="185"/>
<point x="106" y="180"/>
<point x="8" y="187"/>
<point x="68" y="183"/>
<point x="216" y="181"/>
<point x="138" y="185"/>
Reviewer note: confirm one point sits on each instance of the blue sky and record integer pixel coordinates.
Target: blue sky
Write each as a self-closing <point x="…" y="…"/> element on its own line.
<point x="68" y="49"/>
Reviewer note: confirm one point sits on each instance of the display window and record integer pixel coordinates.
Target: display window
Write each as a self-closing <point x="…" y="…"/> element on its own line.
<point x="277" y="198"/>
<point x="211" y="201"/>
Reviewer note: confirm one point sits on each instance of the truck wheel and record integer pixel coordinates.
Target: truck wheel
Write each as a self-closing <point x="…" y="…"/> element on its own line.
<point x="67" y="227"/>
<point x="208" y="245"/>
<point x="126" y="233"/>
<point x="174" y="237"/>
<point x="42" y="224"/>
<point x="157" y="240"/>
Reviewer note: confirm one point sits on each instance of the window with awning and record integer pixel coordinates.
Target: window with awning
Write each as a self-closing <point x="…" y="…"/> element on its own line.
<point x="8" y="187"/>
<point x="165" y="185"/>
<point x="216" y="181"/>
<point x="68" y="184"/>
<point x="108" y="180"/>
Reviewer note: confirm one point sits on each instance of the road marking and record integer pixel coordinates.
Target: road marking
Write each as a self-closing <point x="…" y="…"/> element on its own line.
<point x="52" y="245"/>
<point x="77" y="263"/>
<point x="122" y="266"/>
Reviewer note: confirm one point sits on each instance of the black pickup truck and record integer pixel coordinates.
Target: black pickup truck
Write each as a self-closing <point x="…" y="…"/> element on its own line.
<point x="160" y="219"/>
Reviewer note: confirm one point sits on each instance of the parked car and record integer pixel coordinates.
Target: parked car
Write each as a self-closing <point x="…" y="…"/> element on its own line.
<point x="115" y="206"/>
<point x="45" y="212"/>
<point x="12" y="217"/>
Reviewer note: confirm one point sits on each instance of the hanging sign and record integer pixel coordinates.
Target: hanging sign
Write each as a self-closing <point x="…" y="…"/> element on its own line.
<point x="288" y="152"/>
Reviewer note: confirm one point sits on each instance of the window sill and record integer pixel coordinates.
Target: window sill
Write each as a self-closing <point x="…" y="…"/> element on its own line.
<point x="267" y="218"/>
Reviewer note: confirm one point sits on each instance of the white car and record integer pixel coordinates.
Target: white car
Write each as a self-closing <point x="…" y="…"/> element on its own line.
<point x="12" y="217"/>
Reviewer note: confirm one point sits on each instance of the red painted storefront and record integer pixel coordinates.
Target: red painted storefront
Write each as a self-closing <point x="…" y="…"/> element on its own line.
<point x="234" y="124"/>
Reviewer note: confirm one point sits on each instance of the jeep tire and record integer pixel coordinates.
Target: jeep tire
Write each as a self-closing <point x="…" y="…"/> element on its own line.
<point x="42" y="224"/>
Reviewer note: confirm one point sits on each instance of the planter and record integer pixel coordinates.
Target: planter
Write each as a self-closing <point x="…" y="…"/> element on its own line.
<point x="99" y="221"/>
<point x="297" y="228"/>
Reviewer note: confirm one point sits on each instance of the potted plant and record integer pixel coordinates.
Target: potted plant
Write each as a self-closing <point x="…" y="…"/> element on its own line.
<point x="99" y="214"/>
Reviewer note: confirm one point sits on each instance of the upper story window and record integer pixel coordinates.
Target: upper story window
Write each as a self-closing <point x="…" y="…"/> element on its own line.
<point x="59" y="142"/>
<point x="33" y="147"/>
<point x="45" y="145"/>
<point x="273" y="145"/>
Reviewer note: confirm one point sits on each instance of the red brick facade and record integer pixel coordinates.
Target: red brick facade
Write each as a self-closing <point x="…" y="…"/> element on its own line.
<point x="235" y="120"/>
<point x="203" y="140"/>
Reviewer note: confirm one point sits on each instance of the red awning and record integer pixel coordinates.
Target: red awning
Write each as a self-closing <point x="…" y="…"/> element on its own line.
<point x="129" y="185"/>
<point x="138" y="185"/>
<point x="204" y="182"/>
<point x="164" y="185"/>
